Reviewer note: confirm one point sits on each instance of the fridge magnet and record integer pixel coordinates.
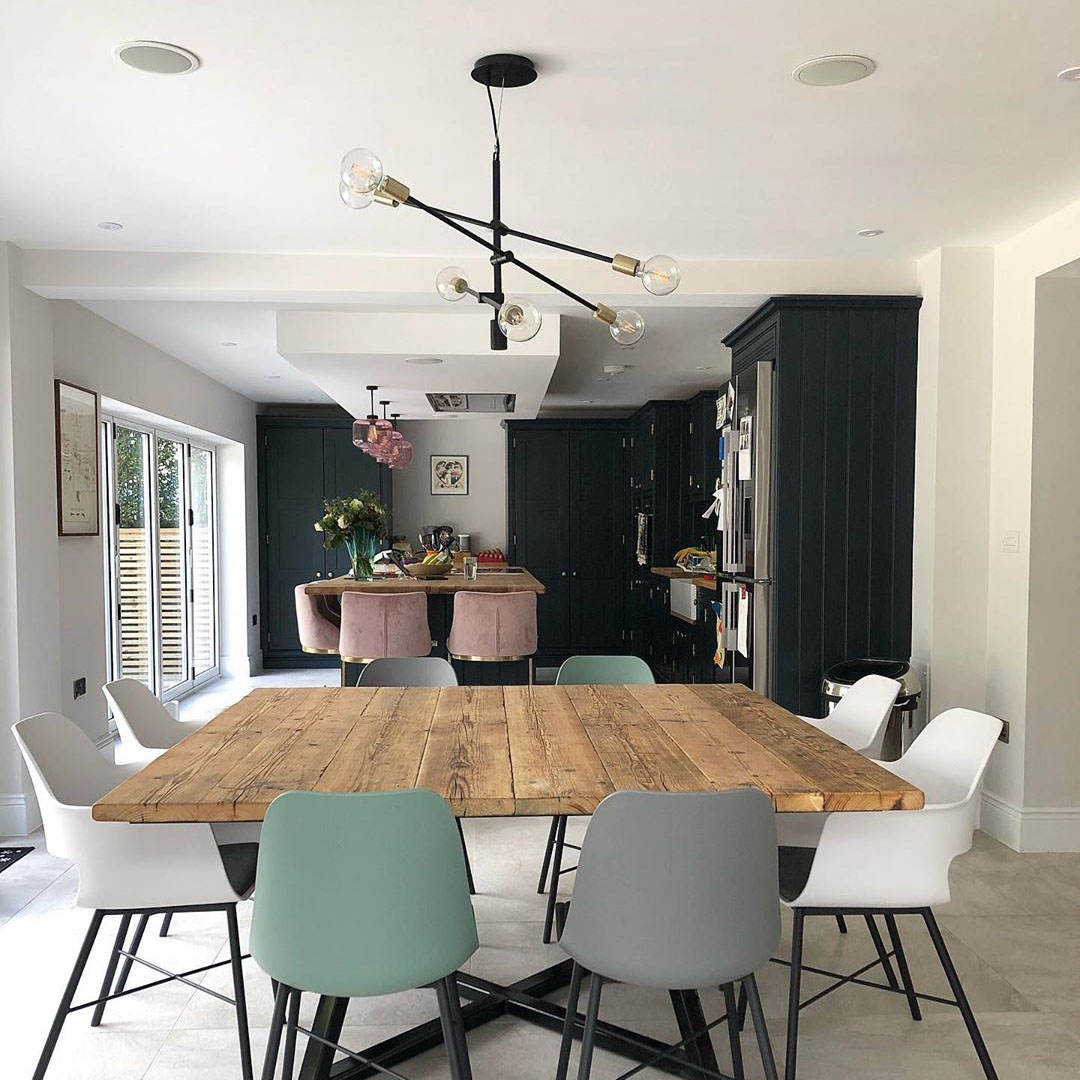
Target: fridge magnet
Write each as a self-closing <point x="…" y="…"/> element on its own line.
<point x="720" y="656"/>
<point x="449" y="474"/>
<point x="721" y="411"/>
<point x="77" y="499"/>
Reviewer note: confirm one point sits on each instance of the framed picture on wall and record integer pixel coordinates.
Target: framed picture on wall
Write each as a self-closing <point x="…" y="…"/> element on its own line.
<point x="78" y="502"/>
<point x="449" y="474"/>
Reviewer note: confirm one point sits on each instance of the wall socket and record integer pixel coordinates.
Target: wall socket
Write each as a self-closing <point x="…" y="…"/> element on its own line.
<point x="78" y="688"/>
<point x="1004" y="736"/>
<point x="254" y="620"/>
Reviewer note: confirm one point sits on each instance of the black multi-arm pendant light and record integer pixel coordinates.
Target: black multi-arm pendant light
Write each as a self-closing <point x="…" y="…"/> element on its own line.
<point x="363" y="182"/>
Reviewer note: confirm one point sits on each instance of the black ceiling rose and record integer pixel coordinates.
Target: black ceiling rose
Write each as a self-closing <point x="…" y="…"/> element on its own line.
<point x="504" y="69"/>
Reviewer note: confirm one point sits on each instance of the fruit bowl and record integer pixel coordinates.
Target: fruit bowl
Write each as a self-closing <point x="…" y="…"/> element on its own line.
<point x="429" y="570"/>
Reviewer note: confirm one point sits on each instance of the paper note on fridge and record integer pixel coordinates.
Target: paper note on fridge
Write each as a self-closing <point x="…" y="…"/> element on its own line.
<point x="746" y="442"/>
<point x="742" y="639"/>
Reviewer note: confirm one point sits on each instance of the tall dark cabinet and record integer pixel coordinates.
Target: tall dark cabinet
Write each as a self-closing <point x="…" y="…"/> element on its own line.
<point x="567" y="522"/>
<point x="843" y="480"/>
<point x="302" y="460"/>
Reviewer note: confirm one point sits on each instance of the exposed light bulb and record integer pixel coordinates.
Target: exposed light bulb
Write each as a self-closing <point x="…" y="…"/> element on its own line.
<point x="660" y="275"/>
<point x="519" y="319"/>
<point x="361" y="171"/>
<point x="628" y="327"/>
<point x="354" y="200"/>
<point x="451" y="283"/>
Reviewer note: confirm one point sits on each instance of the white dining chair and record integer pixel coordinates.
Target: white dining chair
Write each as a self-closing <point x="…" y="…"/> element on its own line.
<point x="896" y="862"/>
<point x="146" y="727"/>
<point x="860" y="717"/>
<point x="128" y="870"/>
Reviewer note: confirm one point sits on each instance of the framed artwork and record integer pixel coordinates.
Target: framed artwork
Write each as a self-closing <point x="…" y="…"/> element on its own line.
<point x="78" y="503"/>
<point x="449" y="474"/>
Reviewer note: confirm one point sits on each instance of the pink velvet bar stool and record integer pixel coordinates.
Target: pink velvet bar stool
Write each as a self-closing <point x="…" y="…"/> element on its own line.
<point x="318" y="628"/>
<point x="377" y="625"/>
<point x="494" y="627"/>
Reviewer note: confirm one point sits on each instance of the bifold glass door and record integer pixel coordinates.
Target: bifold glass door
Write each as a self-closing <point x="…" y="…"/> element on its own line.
<point x="160" y="560"/>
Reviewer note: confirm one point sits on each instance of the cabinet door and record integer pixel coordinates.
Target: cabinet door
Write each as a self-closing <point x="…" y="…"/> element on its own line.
<point x="293" y="549"/>
<point x="346" y="471"/>
<point x="598" y="535"/>
<point x="540" y="526"/>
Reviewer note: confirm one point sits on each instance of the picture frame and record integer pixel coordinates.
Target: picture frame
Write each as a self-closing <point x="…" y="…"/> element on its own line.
<point x="78" y="471"/>
<point x="449" y="474"/>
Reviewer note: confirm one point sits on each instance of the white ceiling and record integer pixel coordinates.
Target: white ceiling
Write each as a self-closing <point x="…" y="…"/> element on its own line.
<point x="652" y="127"/>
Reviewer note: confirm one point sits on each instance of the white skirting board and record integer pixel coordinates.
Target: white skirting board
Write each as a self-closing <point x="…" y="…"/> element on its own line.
<point x="242" y="666"/>
<point x="1035" y="828"/>
<point x="19" y="814"/>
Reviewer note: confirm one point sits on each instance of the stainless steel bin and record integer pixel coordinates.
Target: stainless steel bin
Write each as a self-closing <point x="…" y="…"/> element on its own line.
<point x="841" y="677"/>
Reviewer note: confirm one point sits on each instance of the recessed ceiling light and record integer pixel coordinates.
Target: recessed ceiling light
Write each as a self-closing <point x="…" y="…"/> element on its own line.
<point x="1070" y="74"/>
<point x="110" y="226"/>
<point x="589" y="401"/>
<point x="273" y="376"/>
<point x="423" y="360"/>
<point x="229" y="344"/>
<point x="870" y="232"/>
<point x="834" y="70"/>
<point x="156" y="57"/>
<point x="703" y="367"/>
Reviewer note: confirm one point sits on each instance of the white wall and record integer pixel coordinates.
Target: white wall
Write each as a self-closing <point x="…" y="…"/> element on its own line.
<point x="483" y="511"/>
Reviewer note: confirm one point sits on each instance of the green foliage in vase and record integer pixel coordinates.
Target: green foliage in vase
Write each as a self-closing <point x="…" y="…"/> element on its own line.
<point x="344" y="517"/>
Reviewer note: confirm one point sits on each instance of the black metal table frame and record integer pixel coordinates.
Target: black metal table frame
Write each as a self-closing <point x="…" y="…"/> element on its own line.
<point x="525" y="999"/>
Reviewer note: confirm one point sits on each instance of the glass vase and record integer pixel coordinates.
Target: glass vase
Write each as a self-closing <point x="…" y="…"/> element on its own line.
<point x="362" y="547"/>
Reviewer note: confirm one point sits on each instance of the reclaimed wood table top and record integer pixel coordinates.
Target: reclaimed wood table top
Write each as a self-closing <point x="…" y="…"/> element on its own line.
<point x="500" y="751"/>
<point x="456" y="582"/>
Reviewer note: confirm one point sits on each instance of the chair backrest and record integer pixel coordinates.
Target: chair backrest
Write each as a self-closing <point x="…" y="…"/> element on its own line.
<point x="862" y="714"/>
<point x="408" y="671"/>
<point x="493" y="624"/>
<point x="376" y="625"/>
<point x="603" y="670"/>
<point x="358" y="895"/>
<point x="676" y="890"/>
<point x="143" y="722"/>
<point x="317" y="632"/>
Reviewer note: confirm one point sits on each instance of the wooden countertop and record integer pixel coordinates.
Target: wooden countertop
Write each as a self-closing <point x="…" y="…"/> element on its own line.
<point x="493" y="583"/>
<point x="501" y="751"/>
<point x="672" y="572"/>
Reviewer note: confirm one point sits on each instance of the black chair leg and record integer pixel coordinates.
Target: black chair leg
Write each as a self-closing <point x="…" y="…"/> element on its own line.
<point x="571" y="1020"/>
<point x="556" y="867"/>
<point x="449" y="1030"/>
<point x="761" y="1030"/>
<point x="794" y="991"/>
<point x="692" y="1028"/>
<point x="277" y="1021"/>
<point x="110" y="970"/>
<point x="742" y="1007"/>
<point x="732" y="1010"/>
<point x="541" y="888"/>
<point x="459" y="1025"/>
<point x="465" y="852"/>
<point x="165" y="924"/>
<point x="238" y="993"/>
<point x="292" y="1018"/>
<point x="133" y="948"/>
<point x="883" y="956"/>
<point x="841" y="924"/>
<point x="902" y="964"/>
<point x="958" y="993"/>
<point x="68" y="996"/>
<point x="588" y="1034"/>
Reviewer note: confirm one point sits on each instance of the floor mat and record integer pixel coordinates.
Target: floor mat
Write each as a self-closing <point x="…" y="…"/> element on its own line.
<point x="11" y="855"/>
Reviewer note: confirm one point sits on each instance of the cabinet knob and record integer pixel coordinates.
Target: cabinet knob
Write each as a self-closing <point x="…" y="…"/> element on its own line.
<point x="574" y="574"/>
<point x="564" y="573"/>
<point x="317" y="574"/>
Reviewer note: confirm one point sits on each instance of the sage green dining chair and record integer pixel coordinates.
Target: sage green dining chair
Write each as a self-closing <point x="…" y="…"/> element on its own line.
<point x="581" y="671"/>
<point x="361" y="895"/>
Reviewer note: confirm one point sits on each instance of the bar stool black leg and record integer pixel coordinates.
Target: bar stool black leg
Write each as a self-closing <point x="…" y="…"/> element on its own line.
<point x="465" y="852"/>
<point x="277" y="1021"/>
<point x="588" y="1034"/>
<point x="450" y="1036"/>
<point x="732" y="1010"/>
<point x="459" y="1024"/>
<point x="902" y="964"/>
<point x="556" y="866"/>
<point x="794" y="990"/>
<point x="571" y="1021"/>
<point x="761" y="1030"/>
<point x="110" y="970"/>
<point x="542" y="887"/>
<point x="238" y="992"/>
<point x="292" y="1019"/>
<point x="68" y="996"/>
<point x="958" y="992"/>
<point x="883" y="956"/>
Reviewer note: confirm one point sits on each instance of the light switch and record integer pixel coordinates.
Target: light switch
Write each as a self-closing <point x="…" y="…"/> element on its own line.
<point x="1010" y="542"/>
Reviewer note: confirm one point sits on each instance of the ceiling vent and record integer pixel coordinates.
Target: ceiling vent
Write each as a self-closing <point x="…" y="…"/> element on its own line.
<point x="472" y="403"/>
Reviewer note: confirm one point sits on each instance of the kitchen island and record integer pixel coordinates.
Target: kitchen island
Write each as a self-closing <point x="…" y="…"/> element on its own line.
<point x="440" y="594"/>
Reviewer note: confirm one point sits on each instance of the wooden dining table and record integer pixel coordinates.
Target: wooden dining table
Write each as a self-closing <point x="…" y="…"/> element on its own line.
<point x="499" y="751"/>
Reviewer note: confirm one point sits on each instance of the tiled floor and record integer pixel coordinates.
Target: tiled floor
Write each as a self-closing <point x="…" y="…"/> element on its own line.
<point x="1013" y="928"/>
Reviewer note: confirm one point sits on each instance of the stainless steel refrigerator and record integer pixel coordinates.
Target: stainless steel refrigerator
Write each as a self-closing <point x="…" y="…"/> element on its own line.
<point x="744" y="544"/>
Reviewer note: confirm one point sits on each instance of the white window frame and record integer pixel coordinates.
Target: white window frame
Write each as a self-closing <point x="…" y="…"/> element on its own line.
<point x="111" y="556"/>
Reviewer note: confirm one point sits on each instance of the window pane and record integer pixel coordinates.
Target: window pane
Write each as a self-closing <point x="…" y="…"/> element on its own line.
<point x="171" y="561"/>
<point x="204" y="651"/>
<point x="133" y="543"/>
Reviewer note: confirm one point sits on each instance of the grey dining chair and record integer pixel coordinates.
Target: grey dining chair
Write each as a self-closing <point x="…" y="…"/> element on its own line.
<point x="408" y="671"/>
<point x="679" y="892"/>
